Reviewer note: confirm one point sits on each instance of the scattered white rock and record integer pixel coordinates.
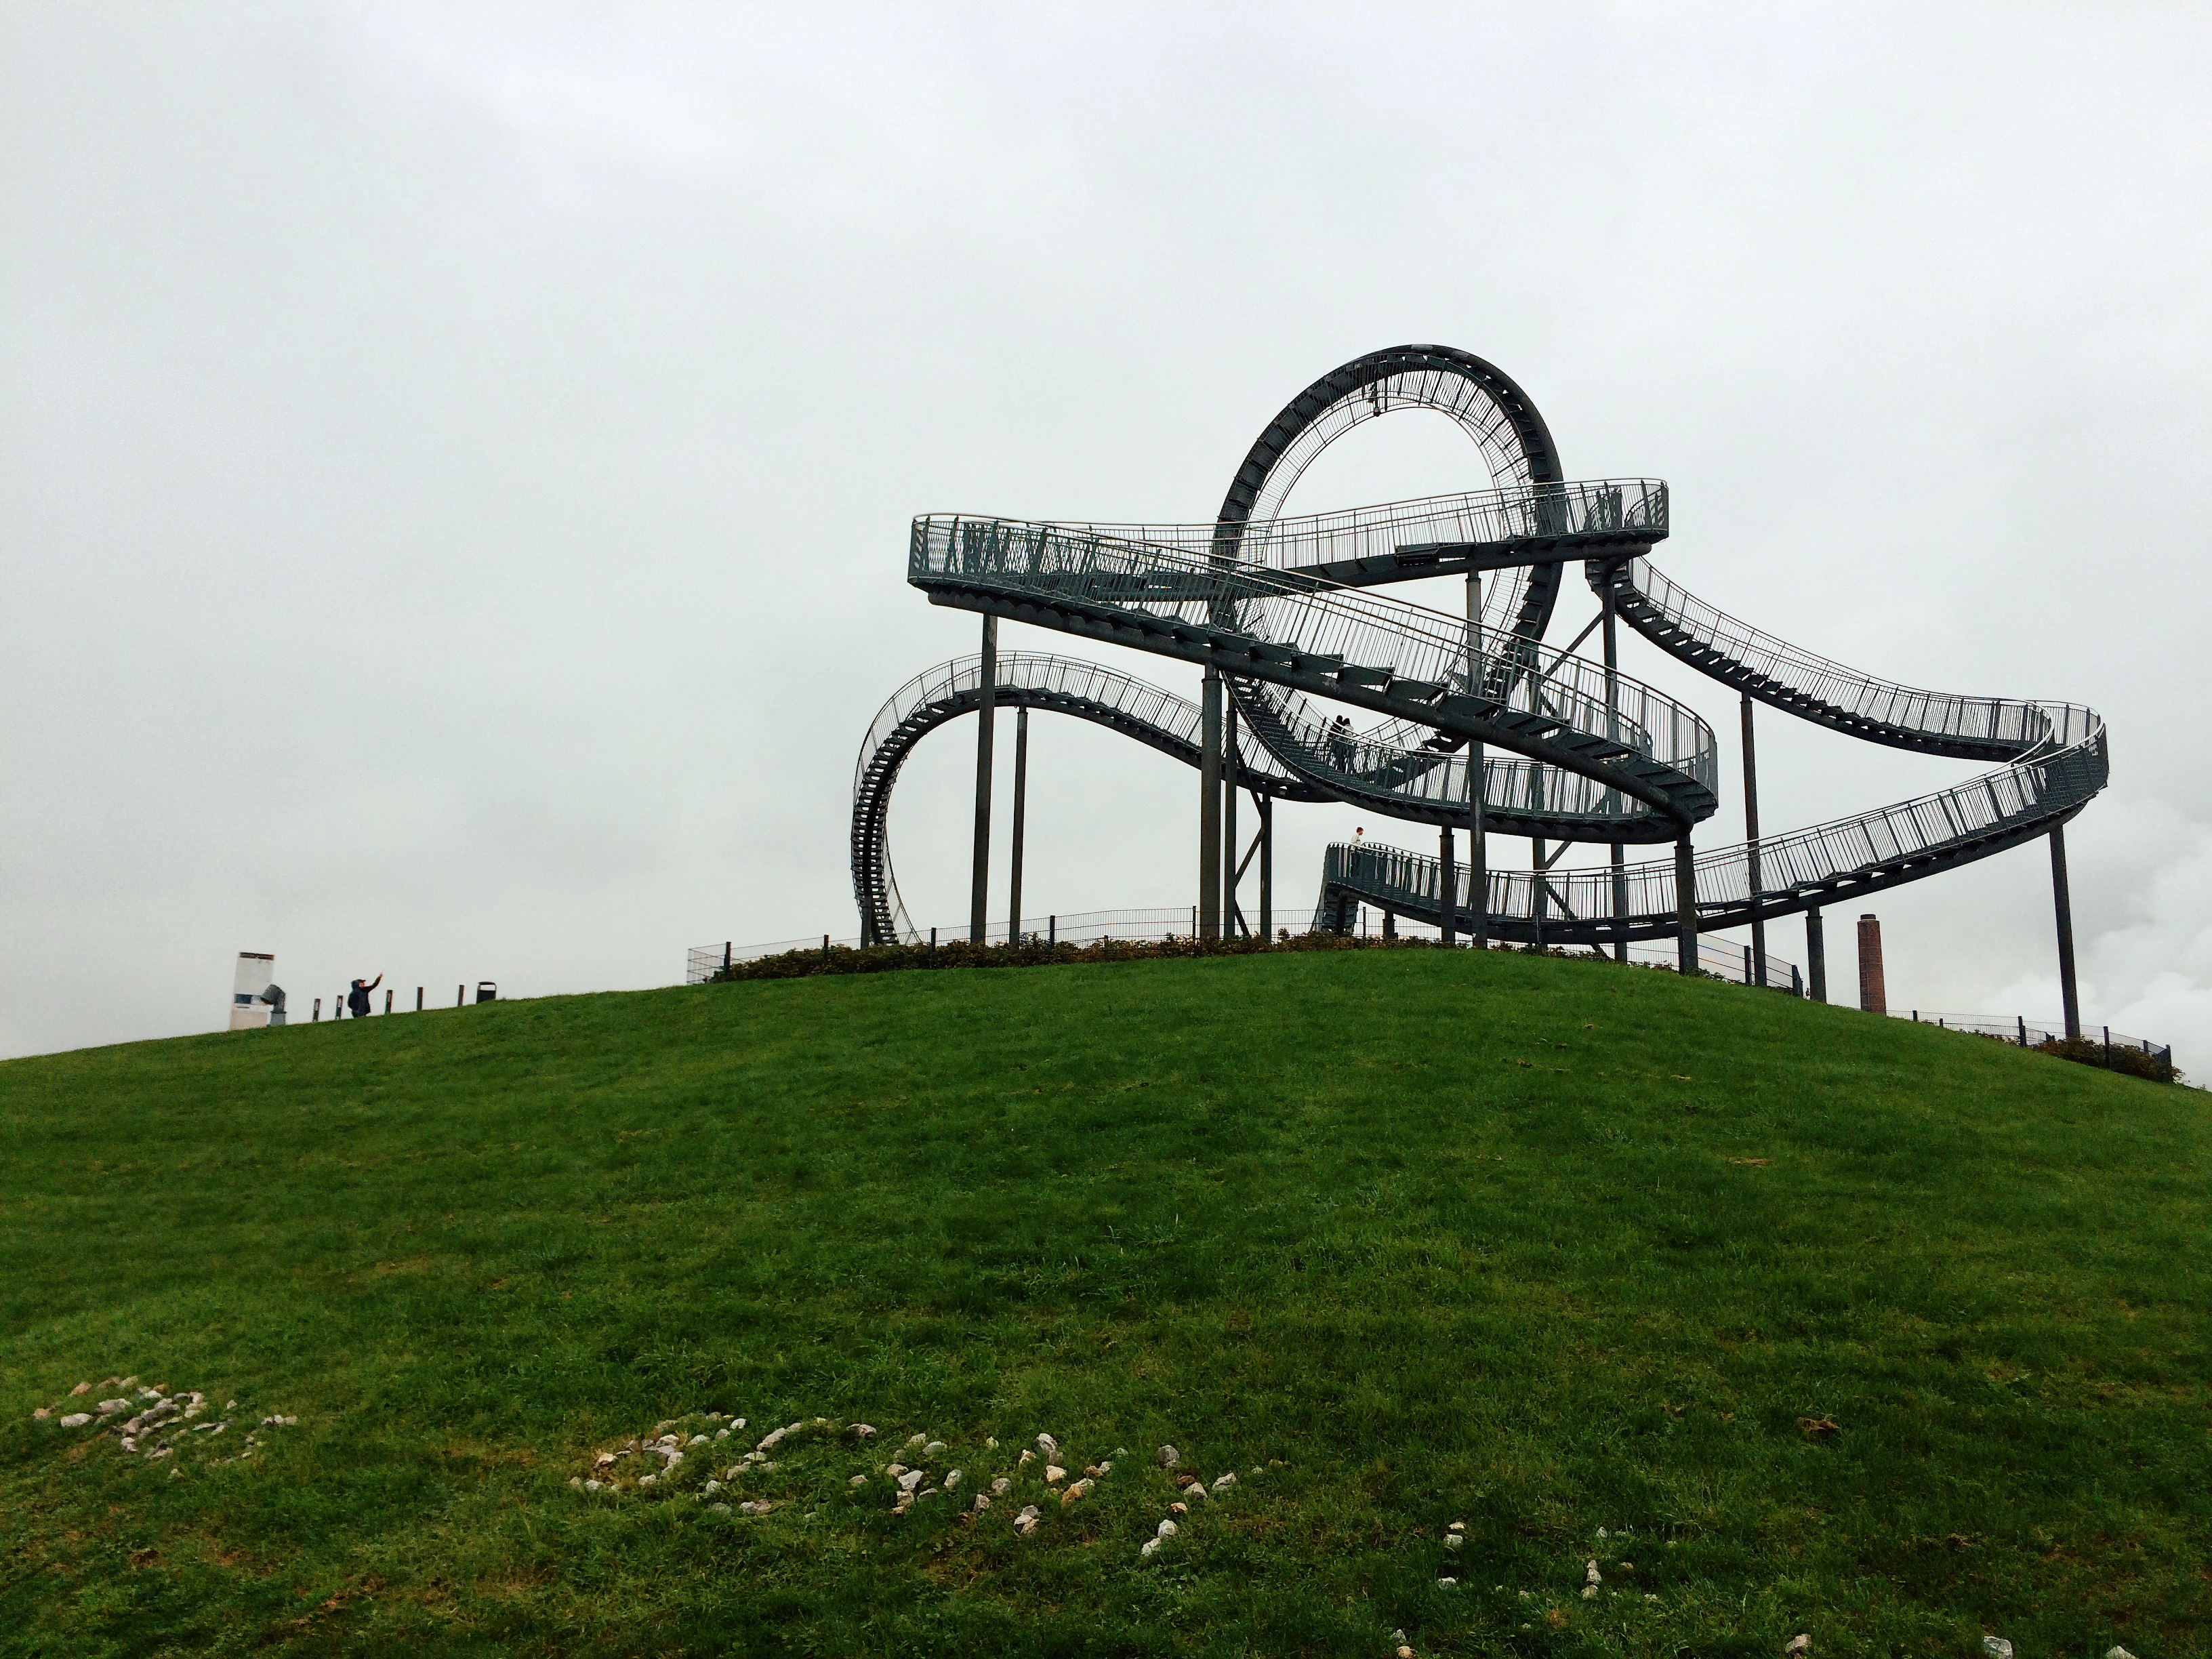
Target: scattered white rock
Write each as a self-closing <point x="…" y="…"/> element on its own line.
<point x="1167" y="1457"/>
<point x="1454" y="1539"/>
<point x="1026" y="1521"/>
<point x="1165" y="1530"/>
<point x="1073" y="1493"/>
<point x="858" y="1480"/>
<point x="1196" y="1489"/>
<point x="866" y="1431"/>
<point x="41" y="1414"/>
<point x="82" y="1388"/>
<point x="915" y="1439"/>
<point x="932" y="1449"/>
<point x="1446" y="1584"/>
<point x="594" y="1485"/>
<point x="1152" y="1545"/>
<point x="1590" y="1593"/>
<point x="1054" y="1475"/>
<point x="1225" y="1482"/>
<point x="649" y="1479"/>
<point x="894" y="1470"/>
<point x="1648" y="1596"/>
<point x="109" y="1407"/>
<point x="991" y="1440"/>
<point x="1590" y="1574"/>
<point x="710" y="1488"/>
<point x="602" y="1460"/>
<point x="1048" y="1445"/>
<point x="720" y="1509"/>
<point x="1997" y="1647"/>
<point x="952" y="1478"/>
<point x="771" y="1440"/>
<point x="1178" y="1509"/>
<point x="1456" y="1526"/>
<point x="909" y="1480"/>
<point x="2117" y="1653"/>
<point x="76" y="1420"/>
<point x="1001" y="1486"/>
<point x="1027" y="1457"/>
<point x="757" y="1506"/>
<point x="1799" y="1643"/>
<point x="981" y="1503"/>
<point x="699" y="1439"/>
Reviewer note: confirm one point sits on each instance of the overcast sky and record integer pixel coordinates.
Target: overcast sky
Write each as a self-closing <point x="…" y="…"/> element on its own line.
<point x="458" y="459"/>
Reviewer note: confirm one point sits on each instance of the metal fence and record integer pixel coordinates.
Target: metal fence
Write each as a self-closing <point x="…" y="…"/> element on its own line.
<point x="2033" y="1033"/>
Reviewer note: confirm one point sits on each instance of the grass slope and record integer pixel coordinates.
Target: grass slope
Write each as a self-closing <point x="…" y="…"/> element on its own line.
<point x="1403" y="1239"/>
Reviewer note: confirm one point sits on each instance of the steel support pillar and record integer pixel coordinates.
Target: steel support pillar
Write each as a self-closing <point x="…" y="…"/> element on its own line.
<point x="1447" y="886"/>
<point x="1477" y="782"/>
<point x="2068" y="996"/>
<point x="1620" y="859"/>
<point x="1021" y="817"/>
<point x="1751" y="843"/>
<point x="1209" y="811"/>
<point x="979" y="891"/>
<point x="1268" y="868"/>
<point x="1816" y="957"/>
<point x="1685" y="909"/>
<point x="1231" y="917"/>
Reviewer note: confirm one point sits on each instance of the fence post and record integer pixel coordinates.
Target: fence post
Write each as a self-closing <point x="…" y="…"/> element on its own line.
<point x="461" y="994"/>
<point x="1052" y="930"/>
<point x="932" y="938"/>
<point x="2022" y="1018"/>
<point x="826" y="947"/>
<point x="2108" y="1047"/>
<point x="725" y="955"/>
<point x="318" y="1009"/>
<point x="1816" y="955"/>
<point x="418" y="999"/>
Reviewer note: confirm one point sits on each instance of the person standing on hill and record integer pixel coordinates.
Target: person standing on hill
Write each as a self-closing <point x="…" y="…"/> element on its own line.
<point x="357" y="998"/>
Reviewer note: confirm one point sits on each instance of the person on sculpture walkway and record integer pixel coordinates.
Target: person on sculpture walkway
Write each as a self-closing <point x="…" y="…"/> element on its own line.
<point x="357" y="998"/>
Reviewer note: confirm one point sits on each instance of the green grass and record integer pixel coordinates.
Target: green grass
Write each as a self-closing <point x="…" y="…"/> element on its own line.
<point x="1404" y="1239"/>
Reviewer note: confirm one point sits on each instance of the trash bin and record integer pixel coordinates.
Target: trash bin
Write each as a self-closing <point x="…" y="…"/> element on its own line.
<point x="487" y="990"/>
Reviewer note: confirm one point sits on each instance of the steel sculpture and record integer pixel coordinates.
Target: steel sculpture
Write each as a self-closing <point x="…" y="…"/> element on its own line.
<point x="1283" y="615"/>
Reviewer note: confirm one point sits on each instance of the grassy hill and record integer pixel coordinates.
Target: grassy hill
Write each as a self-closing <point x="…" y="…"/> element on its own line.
<point x="1788" y="1319"/>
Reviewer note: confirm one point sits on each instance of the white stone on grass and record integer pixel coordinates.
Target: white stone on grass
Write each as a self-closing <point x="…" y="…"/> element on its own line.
<point x="1054" y="1475"/>
<point x="76" y="1420"/>
<point x="1225" y="1482"/>
<point x="952" y="1478"/>
<point x="1167" y="1457"/>
<point x="1997" y="1647"/>
<point x="1001" y="1486"/>
<point x="858" y="1480"/>
<point x="1150" y="1545"/>
<point x="1165" y="1530"/>
<point x="932" y="1449"/>
<point x="1454" y="1539"/>
<point x="1026" y="1521"/>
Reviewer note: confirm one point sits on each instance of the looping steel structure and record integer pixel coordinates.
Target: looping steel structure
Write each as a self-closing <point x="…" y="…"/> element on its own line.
<point x="1283" y="612"/>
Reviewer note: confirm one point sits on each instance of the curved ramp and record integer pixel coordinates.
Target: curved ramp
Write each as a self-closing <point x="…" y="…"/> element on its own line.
<point x="1282" y="607"/>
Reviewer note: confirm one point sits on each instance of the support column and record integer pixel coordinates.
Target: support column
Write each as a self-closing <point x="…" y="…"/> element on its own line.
<point x="2068" y="997"/>
<point x="1447" y="886"/>
<point x="1685" y="909"/>
<point x="1751" y="844"/>
<point x="1267" y="868"/>
<point x="1209" y="811"/>
<point x="1021" y="815"/>
<point x="1230" y="913"/>
<point x="1620" y="858"/>
<point x="1816" y="956"/>
<point x="979" y="891"/>
<point x="1539" y="897"/>
<point x="1478" y="836"/>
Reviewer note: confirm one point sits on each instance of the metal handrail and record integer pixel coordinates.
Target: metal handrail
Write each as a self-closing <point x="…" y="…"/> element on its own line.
<point x="1237" y="605"/>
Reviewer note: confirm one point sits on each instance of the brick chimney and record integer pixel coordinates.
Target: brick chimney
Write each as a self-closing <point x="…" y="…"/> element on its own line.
<point x="1873" y="995"/>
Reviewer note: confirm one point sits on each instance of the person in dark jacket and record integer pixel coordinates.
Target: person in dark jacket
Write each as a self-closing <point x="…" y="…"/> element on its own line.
<point x="357" y="998"/>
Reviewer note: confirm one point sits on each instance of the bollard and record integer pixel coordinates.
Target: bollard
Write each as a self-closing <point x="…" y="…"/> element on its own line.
<point x="461" y="994"/>
<point x="418" y="999"/>
<point x="318" y="1008"/>
<point x="387" y="997"/>
<point x="826" y="947"/>
<point x="2108" y="1047"/>
<point x="2022" y="1018"/>
<point x="725" y="955"/>
<point x="932" y="938"/>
